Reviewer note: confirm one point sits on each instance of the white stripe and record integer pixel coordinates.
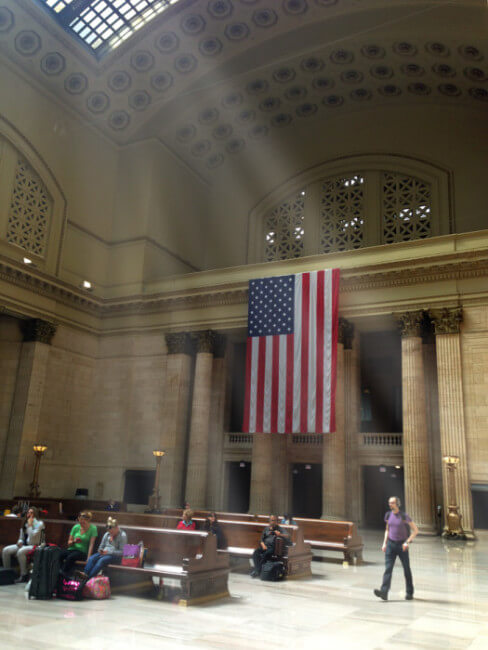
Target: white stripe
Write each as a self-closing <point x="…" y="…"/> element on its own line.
<point x="282" y="385"/>
<point x="297" y="354"/>
<point x="312" y="354"/>
<point x="327" y="349"/>
<point x="268" y="380"/>
<point x="254" y="383"/>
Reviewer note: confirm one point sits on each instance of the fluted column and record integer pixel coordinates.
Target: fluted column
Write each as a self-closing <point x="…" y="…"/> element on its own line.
<point x="352" y="390"/>
<point x="216" y="430"/>
<point x="260" y="501"/>
<point x="418" y="494"/>
<point x="281" y="475"/>
<point x="197" y="468"/>
<point x="23" y="430"/>
<point x="451" y="408"/>
<point x="174" y="432"/>
<point x="334" y="445"/>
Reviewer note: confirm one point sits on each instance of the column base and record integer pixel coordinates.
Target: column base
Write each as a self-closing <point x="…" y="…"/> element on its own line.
<point x="427" y="530"/>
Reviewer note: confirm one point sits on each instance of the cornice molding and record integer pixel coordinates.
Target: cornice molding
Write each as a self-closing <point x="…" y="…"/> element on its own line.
<point x="465" y="265"/>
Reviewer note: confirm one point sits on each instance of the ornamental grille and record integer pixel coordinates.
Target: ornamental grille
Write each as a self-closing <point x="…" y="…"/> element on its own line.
<point x="406" y="208"/>
<point x="284" y="229"/>
<point x="29" y="212"/>
<point x="341" y="214"/>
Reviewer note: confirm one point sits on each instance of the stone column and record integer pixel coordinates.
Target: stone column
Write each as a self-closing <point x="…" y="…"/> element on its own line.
<point x="261" y="474"/>
<point x="352" y="392"/>
<point x="23" y="430"/>
<point x="216" y="431"/>
<point x="418" y="495"/>
<point x="281" y="475"/>
<point x="197" y="467"/>
<point x="451" y="408"/>
<point x="334" y="445"/>
<point x="176" y="408"/>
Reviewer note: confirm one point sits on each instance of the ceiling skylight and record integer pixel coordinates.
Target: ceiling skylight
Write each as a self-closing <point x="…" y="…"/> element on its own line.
<point x="103" y="25"/>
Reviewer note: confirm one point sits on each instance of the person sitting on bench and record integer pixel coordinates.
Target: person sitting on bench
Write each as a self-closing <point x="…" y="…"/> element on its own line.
<point x="266" y="548"/>
<point x="30" y="536"/>
<point x="187" y="522"/>
<point x="80" y="544"/>
<point x="109" y="552"/>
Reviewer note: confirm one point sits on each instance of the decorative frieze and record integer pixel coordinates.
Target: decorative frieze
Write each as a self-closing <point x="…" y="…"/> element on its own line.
<point x="447" y="320"/>
<point x="410" y="323"/>
<point x="178" y="343"/>
<point x="36" y="329"/>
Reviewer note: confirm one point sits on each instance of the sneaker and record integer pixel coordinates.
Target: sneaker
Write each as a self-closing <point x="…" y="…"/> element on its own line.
<point x="409" y="597"/>
<point x="381" y="594"/>
<point x="80" y="575"/>
<point x="254" y="574"/>
<point x="21" y="579"/>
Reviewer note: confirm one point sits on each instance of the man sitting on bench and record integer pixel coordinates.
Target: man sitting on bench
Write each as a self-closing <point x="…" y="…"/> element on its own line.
<point x="266" y="548"/>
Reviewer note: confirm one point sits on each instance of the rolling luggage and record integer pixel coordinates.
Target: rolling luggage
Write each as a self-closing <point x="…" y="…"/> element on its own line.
<point x="45" y="572"/>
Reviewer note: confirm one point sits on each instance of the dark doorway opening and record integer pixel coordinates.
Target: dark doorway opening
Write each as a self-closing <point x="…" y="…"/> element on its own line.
<point x="480" y="505"/>
<point x="307" y="490"/>
<point x="239" y="486"/>
<point x="139" y="484"/>
<point x="379" y="483"/>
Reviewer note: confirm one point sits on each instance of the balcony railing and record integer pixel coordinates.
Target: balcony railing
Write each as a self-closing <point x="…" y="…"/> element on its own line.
<point x="382" y="440"/>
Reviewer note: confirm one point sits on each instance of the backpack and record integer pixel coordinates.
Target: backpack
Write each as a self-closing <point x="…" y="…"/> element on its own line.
<point x="45" y="572"/>
<point x="273" y="571"/>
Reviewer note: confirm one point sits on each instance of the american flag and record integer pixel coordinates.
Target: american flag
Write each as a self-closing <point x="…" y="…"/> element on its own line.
<point x="291" y="353"/>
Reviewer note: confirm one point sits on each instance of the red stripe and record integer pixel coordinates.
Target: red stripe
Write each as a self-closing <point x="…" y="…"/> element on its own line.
<point x="260" y="386"/>
<point x="247" y="398"/>
<point x="275" y="385"/>
<point x="304" y="344"/>
<point x="335" y="330"/>
<point x="319" y="405"/>
<point x="289" y="384"/>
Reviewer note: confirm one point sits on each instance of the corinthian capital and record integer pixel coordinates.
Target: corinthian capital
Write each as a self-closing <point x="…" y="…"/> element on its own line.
<point x="36" y="329"/>
<point x="205" y="341"/>
<point x="346" y="333"/>
<point x="178" y="343"/>
<point x="410" y="323"/>
<point x="447" y="320"/>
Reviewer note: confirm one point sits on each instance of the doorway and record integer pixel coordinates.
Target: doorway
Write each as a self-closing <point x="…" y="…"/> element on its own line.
<point x="239" y="473"/>
<point x="307" y="490"/>
<point x="379" y="483"/>
<point x="139" y="484"/>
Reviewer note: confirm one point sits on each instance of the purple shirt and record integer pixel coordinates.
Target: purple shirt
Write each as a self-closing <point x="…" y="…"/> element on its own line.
<point x="398" y="528"/>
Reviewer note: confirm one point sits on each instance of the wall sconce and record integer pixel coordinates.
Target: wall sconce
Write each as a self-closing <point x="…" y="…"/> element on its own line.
<point x="453" y="517"/>
<point x="39" y="450"/>
<point x="154" y="499"/>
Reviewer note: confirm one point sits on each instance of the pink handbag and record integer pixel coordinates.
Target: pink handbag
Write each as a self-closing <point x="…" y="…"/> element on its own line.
<point x="97" y="587"/>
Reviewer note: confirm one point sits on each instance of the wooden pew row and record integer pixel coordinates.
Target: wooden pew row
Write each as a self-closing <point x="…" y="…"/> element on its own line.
<point x="189" y="557"/>
<point x="321" y="534"/>
<point x="242" y="537"/>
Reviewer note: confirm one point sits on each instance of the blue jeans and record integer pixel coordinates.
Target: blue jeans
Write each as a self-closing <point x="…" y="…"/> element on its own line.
<point x="394" y="550"/>
<point x="97" y="561"/>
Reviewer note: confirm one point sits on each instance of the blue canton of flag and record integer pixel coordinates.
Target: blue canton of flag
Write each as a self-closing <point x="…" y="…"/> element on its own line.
<point x="271" y="306"/>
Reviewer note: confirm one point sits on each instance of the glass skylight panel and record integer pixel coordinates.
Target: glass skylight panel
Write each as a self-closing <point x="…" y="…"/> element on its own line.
<point x="103" y="25"/>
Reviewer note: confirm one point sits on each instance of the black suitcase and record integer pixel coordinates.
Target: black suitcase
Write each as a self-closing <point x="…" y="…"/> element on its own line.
<point x="7" y="576"/>
<point x="273" y="571"/>
<point x="45" y="572"/>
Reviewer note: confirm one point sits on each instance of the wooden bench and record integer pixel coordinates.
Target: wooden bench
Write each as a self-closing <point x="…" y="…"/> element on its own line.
<point x="321" y="534"/>
<point x="242" y="537"/>
<point x="188" y="557"/>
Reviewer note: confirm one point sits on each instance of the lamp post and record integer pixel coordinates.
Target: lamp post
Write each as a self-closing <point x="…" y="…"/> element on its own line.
<point x="34" y="486"/>
<point x="453" y="519"/>
<point x="154" y="499"/>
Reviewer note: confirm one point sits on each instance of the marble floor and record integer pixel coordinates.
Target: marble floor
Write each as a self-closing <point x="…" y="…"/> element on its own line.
<point x="335" y="608"/>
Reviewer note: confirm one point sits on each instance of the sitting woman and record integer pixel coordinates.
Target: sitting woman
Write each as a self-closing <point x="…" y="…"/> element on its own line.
<point x="109" y="552"/>
<point x="80" y="543"/>
<point x="30" y="536"/>
<point x="187" y="522"/>
<point x="213" y="526"/>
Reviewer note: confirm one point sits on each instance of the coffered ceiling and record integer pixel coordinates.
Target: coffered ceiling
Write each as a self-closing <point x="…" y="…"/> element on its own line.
<point x="211" y="79"/>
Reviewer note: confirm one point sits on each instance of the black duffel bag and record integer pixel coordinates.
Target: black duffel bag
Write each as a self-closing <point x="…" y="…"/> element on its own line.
<point x="273" y="570"/>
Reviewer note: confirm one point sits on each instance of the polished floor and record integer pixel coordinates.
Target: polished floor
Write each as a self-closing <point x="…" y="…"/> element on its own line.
<point x="335" y="608"/>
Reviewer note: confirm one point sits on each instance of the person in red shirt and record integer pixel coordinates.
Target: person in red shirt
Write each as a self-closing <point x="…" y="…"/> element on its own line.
<point x="187" y="522"/>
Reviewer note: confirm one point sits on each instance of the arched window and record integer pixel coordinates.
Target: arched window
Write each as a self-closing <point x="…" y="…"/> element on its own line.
<point x="366" y="202"/>
<point x="31" y="204"/>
